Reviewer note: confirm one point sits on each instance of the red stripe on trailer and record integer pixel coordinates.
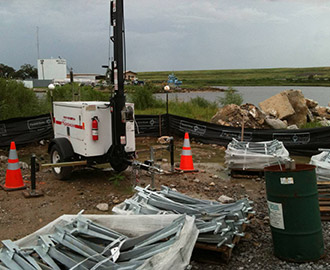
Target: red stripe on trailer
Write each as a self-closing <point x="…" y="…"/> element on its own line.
<point x="79" y="127"/>
<point x="69" y="125"/>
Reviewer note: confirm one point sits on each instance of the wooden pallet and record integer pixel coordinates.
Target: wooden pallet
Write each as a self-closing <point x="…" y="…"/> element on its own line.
<point x="247" y="173"/>
<point x="323" y="188"/>
<point x="210" y="253"/>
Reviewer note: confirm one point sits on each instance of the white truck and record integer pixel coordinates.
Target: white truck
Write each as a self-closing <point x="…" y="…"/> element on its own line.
<point x="83" y="131"/>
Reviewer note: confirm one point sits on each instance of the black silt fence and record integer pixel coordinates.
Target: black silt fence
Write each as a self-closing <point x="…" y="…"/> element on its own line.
<point x="302" y="141"/>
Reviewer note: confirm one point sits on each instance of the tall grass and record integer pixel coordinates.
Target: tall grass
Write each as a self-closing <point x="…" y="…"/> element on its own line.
<point x="197" y="108"/>
<point x="313" y="76"/>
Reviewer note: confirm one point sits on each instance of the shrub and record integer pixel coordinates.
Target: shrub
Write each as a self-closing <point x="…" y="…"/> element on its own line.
<point x="231" y="97"/>
<point x="19" y="101"/>
<point x="143" y="98"/>
<point x="202" y="102"/>
<point x="86" y="92"/>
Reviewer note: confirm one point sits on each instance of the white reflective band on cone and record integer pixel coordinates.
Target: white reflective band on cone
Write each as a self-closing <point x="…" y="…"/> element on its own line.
<point x="13" y="166"/>
<point x="186" y="143"/>
<point x="186" y="153"/>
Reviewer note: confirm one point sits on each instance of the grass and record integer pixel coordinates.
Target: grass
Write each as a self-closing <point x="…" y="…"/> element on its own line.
<point x="117" y="178"/>
<point x="315" y="124"/>
<point x="318" y="76"/>
<point x="186" y="109"/>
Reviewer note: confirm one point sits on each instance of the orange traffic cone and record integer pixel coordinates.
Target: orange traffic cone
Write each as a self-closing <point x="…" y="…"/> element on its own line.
<point x="186" y="163"/>
<point x="14" y="179"/>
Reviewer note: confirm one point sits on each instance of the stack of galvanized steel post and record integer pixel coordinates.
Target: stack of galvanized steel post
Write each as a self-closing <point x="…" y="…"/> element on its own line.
<point x="83" y="244"/>
<point x="255" y="155"/>
<point x="218" y="224"/>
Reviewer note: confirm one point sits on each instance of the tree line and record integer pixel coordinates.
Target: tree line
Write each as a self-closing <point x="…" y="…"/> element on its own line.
<point x="26" y="71"/>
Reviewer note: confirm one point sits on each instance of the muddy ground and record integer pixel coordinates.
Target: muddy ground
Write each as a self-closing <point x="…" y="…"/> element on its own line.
<point x="88" y="187"/>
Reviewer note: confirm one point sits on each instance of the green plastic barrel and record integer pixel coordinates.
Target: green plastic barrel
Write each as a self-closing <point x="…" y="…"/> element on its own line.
<point x="294" y="213"/>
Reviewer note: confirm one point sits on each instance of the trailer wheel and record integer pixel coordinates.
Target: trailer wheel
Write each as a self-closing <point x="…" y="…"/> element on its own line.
<point x="118" y="158"/>
<point x="56" y="156"/>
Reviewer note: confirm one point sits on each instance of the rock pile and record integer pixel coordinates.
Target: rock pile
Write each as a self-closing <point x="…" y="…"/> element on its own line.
<point x="234" y="115"/>
<point x="288" y="109"/>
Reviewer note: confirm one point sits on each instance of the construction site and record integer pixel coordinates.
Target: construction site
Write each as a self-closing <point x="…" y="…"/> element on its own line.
<point x="92" y="185"/>
<point x="102" y="192"/>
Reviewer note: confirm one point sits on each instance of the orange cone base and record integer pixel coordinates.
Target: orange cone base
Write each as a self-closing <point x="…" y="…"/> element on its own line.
<point x="186" y="164"/>
<point x="14" y="180"/>
<point x="12" y="189"/>
<point x="180" y="170"/>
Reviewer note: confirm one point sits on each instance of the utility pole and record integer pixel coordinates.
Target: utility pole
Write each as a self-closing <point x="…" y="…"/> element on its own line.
<point x="38" y="42"/>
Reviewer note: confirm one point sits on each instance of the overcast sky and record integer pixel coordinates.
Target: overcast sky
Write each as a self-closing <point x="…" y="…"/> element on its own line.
<point x="169" y="34"/>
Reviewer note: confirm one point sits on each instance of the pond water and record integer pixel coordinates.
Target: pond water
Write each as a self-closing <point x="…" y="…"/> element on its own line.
<point x="256" y="94"/>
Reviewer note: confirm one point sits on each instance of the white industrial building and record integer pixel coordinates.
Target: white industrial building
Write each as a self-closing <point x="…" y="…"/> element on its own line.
<point x="52" y="69"/>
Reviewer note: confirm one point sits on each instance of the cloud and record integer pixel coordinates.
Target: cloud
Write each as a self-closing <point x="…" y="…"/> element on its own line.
<point x="171" y="34"/>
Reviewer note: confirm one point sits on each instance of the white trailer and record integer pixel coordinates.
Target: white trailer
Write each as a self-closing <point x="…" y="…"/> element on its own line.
<point x="97" y="132"/>
<point x="83" y="131"/>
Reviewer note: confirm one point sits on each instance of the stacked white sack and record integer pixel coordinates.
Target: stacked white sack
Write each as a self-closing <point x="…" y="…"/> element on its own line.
<point x="322" y="163"/>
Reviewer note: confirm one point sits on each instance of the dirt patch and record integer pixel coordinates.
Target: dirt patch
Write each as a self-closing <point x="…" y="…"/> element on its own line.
<point x="89" y="187"/>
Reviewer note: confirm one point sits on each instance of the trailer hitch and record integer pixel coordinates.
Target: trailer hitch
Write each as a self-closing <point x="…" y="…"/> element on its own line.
<point x="146" y="166"/>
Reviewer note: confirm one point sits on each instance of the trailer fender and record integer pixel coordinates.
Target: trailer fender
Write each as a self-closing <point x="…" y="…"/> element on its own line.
<point x="64" y="145"/>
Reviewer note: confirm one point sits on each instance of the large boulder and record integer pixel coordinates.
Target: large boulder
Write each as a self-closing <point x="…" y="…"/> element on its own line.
<point x="278" y="106"/>
<point x="276" y="123"/>
<point x="289" y="105"/>
<point x="298" y="103"/>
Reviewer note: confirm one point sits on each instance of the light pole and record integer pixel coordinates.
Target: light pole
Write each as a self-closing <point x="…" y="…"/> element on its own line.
<point x="51" y="87"/>
<point x="166" y="89"/>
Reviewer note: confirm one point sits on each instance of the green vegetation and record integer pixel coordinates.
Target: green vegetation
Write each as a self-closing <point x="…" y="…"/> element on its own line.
<point x="18" y="101"/>
<point x="142" y="97"/>
<point x="231" y="97"/>
<point x="318" y="76"/>
<point x="117" y="178"/>
<point x="314" y="124"/>
<point x="73" y="91"/>
<point x="197" y="108"/>
<point x="145" y="103"/>
<point x="26" y="71"/>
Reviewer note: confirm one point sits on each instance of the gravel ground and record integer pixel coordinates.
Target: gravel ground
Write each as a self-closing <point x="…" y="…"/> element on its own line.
<point x="256" y="252"/>
<point x="86" y="189"/>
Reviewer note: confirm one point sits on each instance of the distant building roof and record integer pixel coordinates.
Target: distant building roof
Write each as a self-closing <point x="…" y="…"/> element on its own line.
<point x="83" y="75"/>
<point x="129" y="71"/>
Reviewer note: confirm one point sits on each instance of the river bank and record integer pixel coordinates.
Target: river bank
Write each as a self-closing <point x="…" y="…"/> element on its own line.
<point x="311" y="76"/>
<point x="251" y="94"/>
